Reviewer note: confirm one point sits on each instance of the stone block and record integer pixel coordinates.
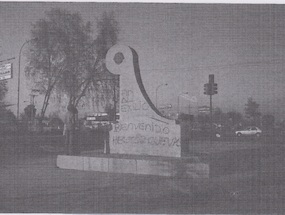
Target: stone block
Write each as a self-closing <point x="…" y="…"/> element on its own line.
<point x="155" y="167"/>
<point x="96" y="164"/>
<point x="70" y="162"/>
<point x="117" y="165"/>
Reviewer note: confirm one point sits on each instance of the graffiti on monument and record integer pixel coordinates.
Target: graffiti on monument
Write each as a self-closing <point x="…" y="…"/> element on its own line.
<point x="140" y="139"/>
<point x="142" y="129"/>
<point x="143" y="133"/>
<point x="147" y="127"/>
<point x="128" y="104"/>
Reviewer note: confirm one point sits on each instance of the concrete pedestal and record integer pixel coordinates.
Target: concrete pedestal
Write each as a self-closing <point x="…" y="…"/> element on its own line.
<point x="135" y="164"/>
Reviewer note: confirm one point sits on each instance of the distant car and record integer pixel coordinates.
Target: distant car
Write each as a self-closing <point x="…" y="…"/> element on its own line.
<point x="249" y="131"/>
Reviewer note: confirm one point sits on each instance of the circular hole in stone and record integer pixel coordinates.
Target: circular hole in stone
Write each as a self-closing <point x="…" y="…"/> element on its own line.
<point x="118" y="58"/>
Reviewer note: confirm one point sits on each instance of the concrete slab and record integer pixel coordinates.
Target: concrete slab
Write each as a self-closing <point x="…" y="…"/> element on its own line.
<point x="122" y="165"/>
<point x="158" y="166"/>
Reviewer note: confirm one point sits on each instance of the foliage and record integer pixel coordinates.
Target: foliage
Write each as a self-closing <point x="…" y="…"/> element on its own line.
<point x="56" y="122"/>
<point x="234" y="117"/>
<point x="66" y="58"/>
<point x="219" y="116"/>
<point x="58" y="58"/>
<point x="252" y="112"/>
<point x="268" y="121"/>
<point x="108" y="34"/>
<point x="251" y="108"/>
<point x="6" y="114"/>
<point x="30" y="111"/>
<point x="3" y="89"/>
<point x="203" y="119"/>
<point x="53" y="115"/>
<point x="101" y="84"/>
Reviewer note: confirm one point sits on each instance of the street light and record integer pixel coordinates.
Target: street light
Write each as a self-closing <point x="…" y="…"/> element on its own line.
<point x="19" y="76"/>
<point x="184" y="93"/>
<point x="156" y="92"/>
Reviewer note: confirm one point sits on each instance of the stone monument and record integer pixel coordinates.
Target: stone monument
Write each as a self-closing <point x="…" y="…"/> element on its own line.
<point x="143" y="142"/>
<point x="142" y="129"/>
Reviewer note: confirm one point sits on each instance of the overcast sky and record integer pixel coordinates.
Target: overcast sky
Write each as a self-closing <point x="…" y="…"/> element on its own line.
<point x="181" y="44"/>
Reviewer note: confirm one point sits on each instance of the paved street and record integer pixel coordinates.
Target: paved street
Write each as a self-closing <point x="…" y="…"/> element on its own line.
<point x="31" y="182"/>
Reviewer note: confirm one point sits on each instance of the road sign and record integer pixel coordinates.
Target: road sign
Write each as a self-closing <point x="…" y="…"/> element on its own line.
<point x="204" y="109"/>
<point x="5" y="71"/>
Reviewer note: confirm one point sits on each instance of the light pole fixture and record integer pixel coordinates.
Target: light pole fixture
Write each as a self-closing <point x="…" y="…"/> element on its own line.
<point x="19" y="76"/>
<point x="156" y="92"/>
<point x="178" y="108"/>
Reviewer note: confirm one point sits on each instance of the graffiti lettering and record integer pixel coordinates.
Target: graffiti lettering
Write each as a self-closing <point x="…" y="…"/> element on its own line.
<point x="134" y="106"/>
<point x="127" y="96"/>
<point x="148" y="127"/>
<point x="140" y="139"/>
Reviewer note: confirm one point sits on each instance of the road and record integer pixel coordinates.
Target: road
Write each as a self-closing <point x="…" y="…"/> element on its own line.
<point x="31" y="182"/>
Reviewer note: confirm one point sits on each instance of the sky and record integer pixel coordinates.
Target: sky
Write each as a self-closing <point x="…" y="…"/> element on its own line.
<point x="178" y="44"/>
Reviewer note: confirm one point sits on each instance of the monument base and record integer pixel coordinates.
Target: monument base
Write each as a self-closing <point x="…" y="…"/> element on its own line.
<point x="135" y="164"/>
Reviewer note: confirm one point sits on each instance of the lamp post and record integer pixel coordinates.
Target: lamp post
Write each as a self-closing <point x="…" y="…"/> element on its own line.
<point x="156" y="92"/>
<point x="19" y="76"/>
<point x="178" y="108"/>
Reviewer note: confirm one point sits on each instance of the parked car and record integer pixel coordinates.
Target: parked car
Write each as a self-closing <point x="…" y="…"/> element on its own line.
<point x="249" y="131"/>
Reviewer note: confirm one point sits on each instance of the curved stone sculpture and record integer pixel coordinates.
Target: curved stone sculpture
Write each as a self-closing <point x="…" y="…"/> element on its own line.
<point x="142" y="129"/>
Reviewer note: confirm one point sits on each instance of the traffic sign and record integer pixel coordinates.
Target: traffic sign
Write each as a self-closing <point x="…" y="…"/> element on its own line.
<point x="5" y="71"/>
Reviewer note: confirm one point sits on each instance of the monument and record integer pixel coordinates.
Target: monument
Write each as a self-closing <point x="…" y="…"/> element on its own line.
<point x="143" y="141"/>
<point x="142" y="129"/>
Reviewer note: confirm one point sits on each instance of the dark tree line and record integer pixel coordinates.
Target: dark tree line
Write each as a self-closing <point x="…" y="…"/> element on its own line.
<point x="252" y="116"/>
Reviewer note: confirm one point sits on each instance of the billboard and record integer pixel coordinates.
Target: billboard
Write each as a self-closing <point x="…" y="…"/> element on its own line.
<point x="5" y="71"/>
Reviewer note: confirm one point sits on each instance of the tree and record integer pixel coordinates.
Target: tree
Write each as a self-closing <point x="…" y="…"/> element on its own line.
<point x="203" y="119"/>
<point x="65" y="58"/>
<point x="60" y="56"/>
<point x="234" y="117"/>
<point x="268" y="121"/>
<point x="6" y="114"/>
<point x="219" y="116"/>
<point x="251" y="111"/>
<point x="30" y="112"/>
<point x="3" y="90"/>
<point x="100" y="80"/>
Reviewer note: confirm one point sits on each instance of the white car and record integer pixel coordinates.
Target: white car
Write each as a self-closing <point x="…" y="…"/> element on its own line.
<point x="249" y="131"/>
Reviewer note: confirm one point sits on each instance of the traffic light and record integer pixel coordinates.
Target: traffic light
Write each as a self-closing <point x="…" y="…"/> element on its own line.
<point x="214" y="89"/>
<point x="207" y="89"/>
